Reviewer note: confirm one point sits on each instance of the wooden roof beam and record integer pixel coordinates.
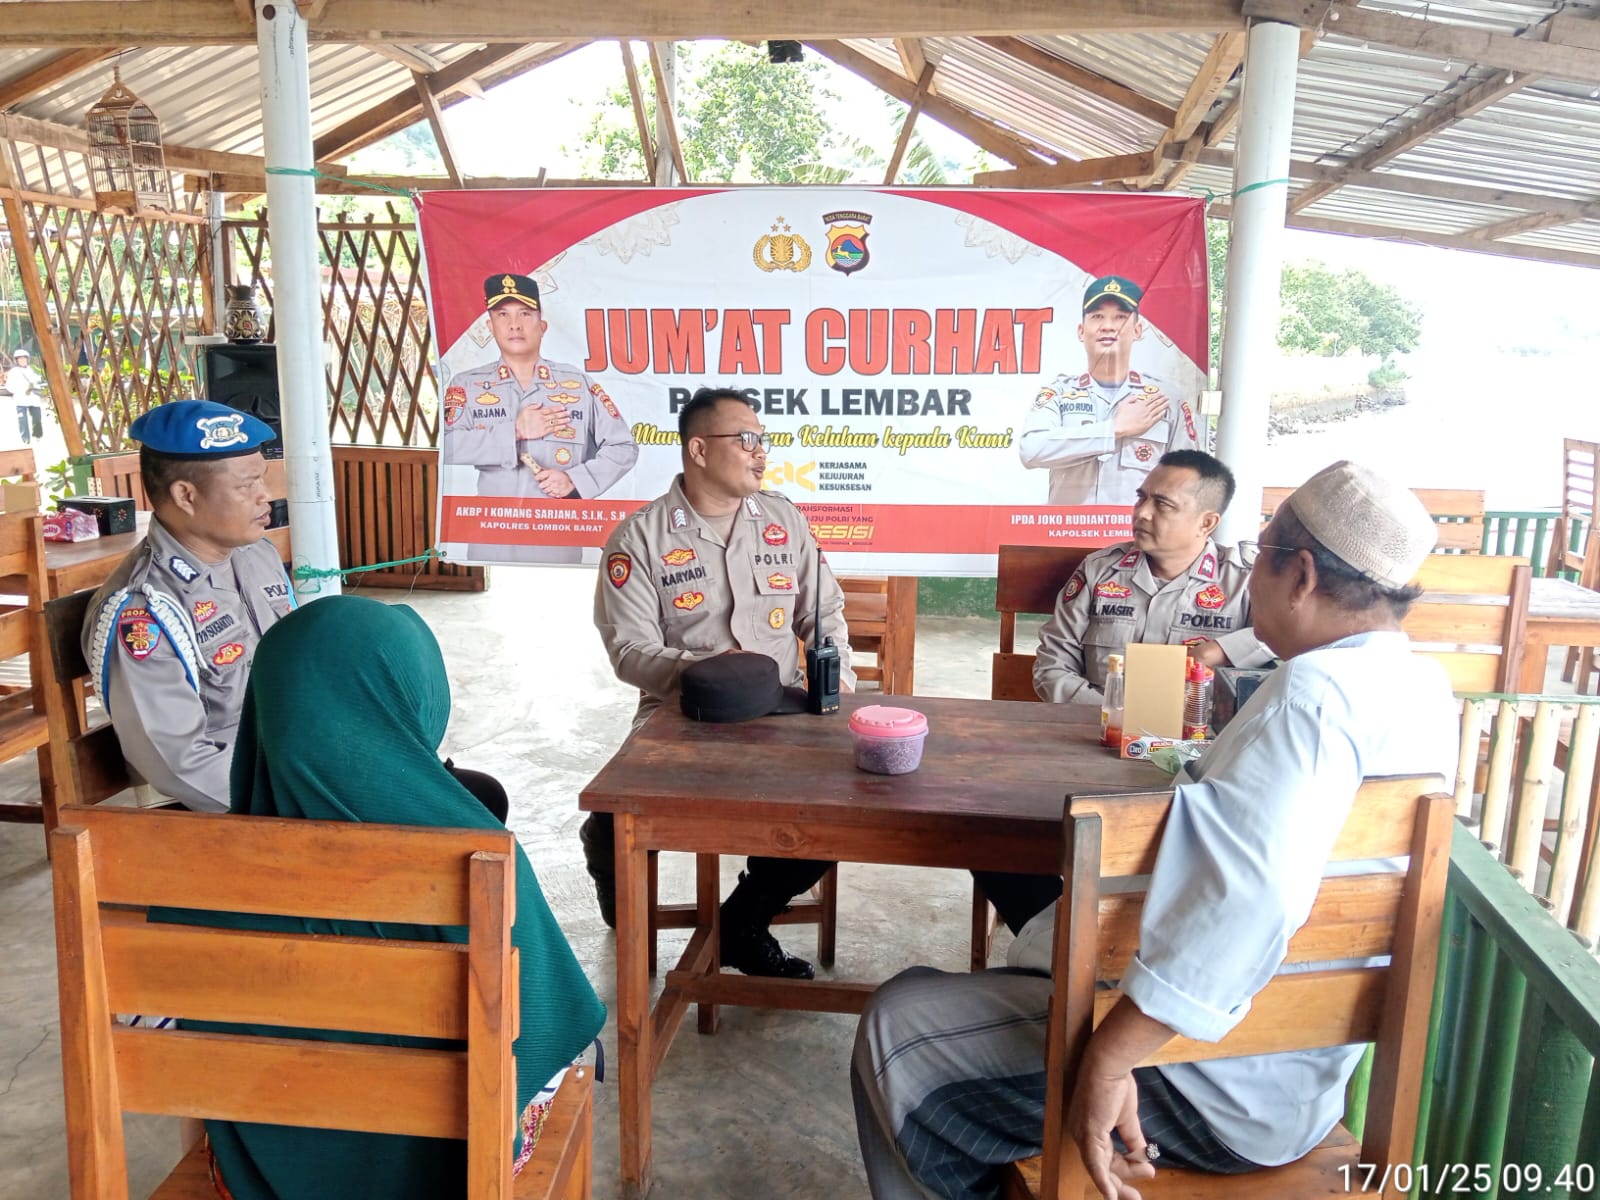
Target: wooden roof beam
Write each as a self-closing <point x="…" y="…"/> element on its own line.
<point x="912" y="60"/>
<point x="636" y="94"/>
<point x="978" y="130"/>
<point x="666" y="119"/>
<point x="441" y="136"/>
<point x="412" y="58"/>
<point x="51" y="72"/>
<point x="1474" y="100"/>
<point x="1566" y="46"/>
<point x="1088" y="81"/>
<point x="1071" y="174"/>
<point x="903" y="142"/>
<point x="1223" y="61"/>
<point x="1527" y="223"/>
<point x="35" y="23"/>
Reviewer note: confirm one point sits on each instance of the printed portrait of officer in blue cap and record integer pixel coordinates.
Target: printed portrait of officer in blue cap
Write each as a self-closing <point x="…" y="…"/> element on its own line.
<point x="1102" y="431"/>
<point x="170" y="635"/>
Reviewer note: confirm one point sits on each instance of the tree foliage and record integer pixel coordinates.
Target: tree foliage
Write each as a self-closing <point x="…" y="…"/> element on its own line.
<point x="739" y="118"/>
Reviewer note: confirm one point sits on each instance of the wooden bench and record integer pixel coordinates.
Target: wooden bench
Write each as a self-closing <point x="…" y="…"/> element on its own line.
<point x="1355" y="917"/>
<point x="1473" y="617"/>
<point x="1458" y="514"/>
<point x="881" y="614"/>
<point x="1029" y="580"/>
<point x="111" y="960"/>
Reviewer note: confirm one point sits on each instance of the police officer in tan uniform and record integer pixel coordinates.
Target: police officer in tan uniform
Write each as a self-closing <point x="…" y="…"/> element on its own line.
<point x="716" y="565"/>
<point x="533" y="428"/>
<point x="170" y="635"/>
<point x="1172" y="584"/>
<point x="1101" y="432"/>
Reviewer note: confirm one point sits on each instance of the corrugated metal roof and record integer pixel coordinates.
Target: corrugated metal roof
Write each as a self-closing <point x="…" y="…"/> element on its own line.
<point x="1351" y="97"/>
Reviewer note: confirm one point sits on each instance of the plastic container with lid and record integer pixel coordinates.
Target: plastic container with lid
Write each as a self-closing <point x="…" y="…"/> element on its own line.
<point x="888" y="740"/>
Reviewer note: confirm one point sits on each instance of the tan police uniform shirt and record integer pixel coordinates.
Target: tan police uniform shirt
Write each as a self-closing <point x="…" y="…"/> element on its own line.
<point x="1069" y="430"/>
<point x="672" y="591"/>
<point x="169" y="641"/>
<point x="595" y="447"/>
<point x="1114" y="599"/>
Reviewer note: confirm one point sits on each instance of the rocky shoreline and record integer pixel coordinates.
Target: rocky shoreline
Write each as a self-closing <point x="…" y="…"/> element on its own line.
<point x="1299" y="414"/>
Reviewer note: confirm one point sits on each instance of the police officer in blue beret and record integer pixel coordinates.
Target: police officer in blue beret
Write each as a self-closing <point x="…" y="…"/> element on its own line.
<point x="170" y="635"/>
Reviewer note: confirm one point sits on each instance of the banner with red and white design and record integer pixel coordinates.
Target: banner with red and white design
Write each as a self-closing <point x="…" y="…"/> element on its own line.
<point x="917" y="356"/>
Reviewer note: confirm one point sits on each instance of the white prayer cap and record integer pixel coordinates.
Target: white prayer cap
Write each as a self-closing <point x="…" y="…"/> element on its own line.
<point x="21" y="353"/>
<point x="1367" y="521"/>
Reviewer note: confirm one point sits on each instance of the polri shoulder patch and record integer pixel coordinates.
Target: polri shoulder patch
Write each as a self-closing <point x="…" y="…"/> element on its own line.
<point x="139" y="632"/>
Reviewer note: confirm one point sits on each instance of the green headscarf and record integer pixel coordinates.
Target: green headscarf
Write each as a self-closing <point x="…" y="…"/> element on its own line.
<point x="343" y="715"/>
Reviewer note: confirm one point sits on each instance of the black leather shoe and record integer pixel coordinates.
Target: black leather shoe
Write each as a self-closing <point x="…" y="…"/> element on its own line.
<point x="756" y="952"/>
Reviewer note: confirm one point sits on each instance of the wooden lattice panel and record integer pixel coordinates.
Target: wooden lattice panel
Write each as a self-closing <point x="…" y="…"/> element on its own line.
<point x="375" y="321"/>
<point x="123" y="290"/>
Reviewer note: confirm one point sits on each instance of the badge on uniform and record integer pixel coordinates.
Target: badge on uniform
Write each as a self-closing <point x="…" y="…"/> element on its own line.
<point x="183" y="569"/>
<point x="677" y="557"/>
<point x="1112" y="591"/>
<point x="780" y="583"/>
<point x="775" y="535"/>
<point x="605" y="402"/>
<point x="1211" y="596"/>
<point x="1074" y="585"/>
<point x="1144" y="451"/>
<point x="227" y="655"/>
<point x="689" y="601"/>
<point x="618" y="567"/>
<point x="775" y="618"/>
<point x="680" y="519"/>
<point x="1188" y="420"/>
<point x="505" y="372"/>
<point x="563" y="456"/>
<point x="751" y="507"/>
<point x="218" y="433"/>
<point x="1208" y="566"/>
<point x="571" y="383"/>
<point x="139" y="632"/>
<point x="544" y="374"/>
<point x="455" y="400"/>
<point x="1130" y="559"/>
<point x="204" y="610"/>
<point x="1042" y="400"/>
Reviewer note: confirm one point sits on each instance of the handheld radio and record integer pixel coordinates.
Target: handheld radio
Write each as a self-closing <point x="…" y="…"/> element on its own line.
<point x="822" y="661"/>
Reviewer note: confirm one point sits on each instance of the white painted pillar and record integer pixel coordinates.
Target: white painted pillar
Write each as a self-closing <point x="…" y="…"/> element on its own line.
<point x="219" y="248"/>
<point x="283" y="48"/>
<point x="1255" y="265"/>
<point x="666" y="173"/>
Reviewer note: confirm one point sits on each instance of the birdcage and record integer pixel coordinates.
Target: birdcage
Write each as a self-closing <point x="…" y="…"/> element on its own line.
<point x="126" y="164"/>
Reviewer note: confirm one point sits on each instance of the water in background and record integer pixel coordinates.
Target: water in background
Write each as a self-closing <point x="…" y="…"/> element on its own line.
<point x="1491" y="421"/>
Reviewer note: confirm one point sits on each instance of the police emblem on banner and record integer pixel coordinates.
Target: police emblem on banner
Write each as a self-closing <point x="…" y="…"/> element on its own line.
<point x="563" y="456"/>
<point x="455" y="399"/>
<point x="781" y="250"/>
<point x="847" y="241"/>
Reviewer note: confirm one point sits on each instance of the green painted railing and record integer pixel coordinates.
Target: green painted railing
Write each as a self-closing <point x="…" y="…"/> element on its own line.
<point x="1526" y="534"/>
<point x="1511" y="1098"/>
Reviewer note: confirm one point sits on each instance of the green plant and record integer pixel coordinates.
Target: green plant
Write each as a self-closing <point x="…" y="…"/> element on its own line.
<point x="1386" y="375"/>
<point x="58" y="480"/>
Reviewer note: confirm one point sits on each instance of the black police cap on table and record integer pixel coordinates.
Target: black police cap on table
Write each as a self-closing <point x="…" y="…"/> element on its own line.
<point x="497" y="289"/>
<point x="737" y="686"/>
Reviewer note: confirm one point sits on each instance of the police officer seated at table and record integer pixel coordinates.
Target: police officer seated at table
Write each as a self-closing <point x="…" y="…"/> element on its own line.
<point x="1171" y="584"/>
<point x="170" y="635"/>
<point x="715" y="565"/>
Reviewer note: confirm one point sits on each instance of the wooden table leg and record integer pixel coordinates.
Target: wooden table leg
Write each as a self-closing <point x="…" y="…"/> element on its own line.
<point x="1535" y="663"/>
<point x="708" y="915"/>
<point x="633" y="1008"/>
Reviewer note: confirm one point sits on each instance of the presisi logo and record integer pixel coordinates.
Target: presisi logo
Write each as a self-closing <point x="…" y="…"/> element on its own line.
<point x="779" y="474"/>
<point x="842" y="532"/>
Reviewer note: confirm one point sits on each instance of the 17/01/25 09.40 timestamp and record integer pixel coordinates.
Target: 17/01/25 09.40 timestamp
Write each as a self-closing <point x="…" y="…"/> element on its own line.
<point x="1470" y="1179"/>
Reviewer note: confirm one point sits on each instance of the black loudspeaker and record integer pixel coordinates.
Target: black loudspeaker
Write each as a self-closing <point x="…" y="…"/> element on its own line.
<point x="246" y="378"/>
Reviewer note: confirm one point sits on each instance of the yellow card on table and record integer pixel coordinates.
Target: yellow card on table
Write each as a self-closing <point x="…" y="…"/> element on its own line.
<point x="1153" y="699"/>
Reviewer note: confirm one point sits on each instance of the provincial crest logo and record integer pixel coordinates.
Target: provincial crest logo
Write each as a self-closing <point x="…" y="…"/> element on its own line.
<point x="776" y="618"/>
<point x="204" y="610"/>
<point x="1211" y="596"/>
<point x="228" y="655"/>
<point x="1112" y="591"/>
<point x="689" y="601"/>
<point x="781" y="250"/>
<point x="847" y="241"/>
<point x="139" y="632"/>
<point x="775" y="535"/>
<point x="780" y="582"/>
<point x="678" y="556"/>
<point x="1044" y="397"/>
<point x="618" y="567"/>
<point x="1074" y="585"/>
<point x="455" y="400"/>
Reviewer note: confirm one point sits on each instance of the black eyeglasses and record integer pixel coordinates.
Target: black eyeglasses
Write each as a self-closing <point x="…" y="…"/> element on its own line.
<point x="1250" y="551"/>
<point x="749" y="439"/>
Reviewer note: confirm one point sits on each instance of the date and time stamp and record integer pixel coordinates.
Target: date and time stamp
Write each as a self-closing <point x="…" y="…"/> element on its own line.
<point x="1470" y="1179"/>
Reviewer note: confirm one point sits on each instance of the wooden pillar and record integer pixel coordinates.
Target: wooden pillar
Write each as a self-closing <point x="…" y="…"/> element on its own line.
<point x="22" y="244"/>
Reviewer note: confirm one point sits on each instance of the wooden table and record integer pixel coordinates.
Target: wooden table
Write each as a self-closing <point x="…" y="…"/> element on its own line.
<point x="1560" y="613"/>
<point x="73" y="566"/>
<point x="989" y="795"/>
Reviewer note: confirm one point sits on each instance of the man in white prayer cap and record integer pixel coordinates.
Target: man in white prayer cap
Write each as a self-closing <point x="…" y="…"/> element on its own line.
<point x="949" y="1071"/>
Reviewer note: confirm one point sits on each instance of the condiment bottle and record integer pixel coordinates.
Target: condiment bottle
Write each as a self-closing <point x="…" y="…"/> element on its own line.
<point x="1197" y="701"/>
<point x="1111" y="706"/>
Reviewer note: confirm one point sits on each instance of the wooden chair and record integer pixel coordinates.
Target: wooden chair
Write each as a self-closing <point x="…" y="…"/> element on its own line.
<point x="882" y="617"/>
<point x="1355" y="917"/>
<point x="19" y="464"/>
<point x="111" y="960"/>
<point x="1473" y="617"/>
<point x="32" y="716"/>
<point x="1030" y="579"/>
<point x="1573" y="550"/>
<point x="94" y="769"/>
<point x="1457" y="513"/>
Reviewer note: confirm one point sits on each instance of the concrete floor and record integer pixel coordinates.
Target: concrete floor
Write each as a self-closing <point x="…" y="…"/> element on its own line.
<point x="762" y="1108"/>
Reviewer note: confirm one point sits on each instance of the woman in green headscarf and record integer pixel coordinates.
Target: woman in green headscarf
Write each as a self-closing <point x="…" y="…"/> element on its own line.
<point x="343" y="715"/>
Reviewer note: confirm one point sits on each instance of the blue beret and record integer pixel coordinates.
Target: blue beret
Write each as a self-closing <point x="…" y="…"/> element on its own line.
<point x="200" y="429"/>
